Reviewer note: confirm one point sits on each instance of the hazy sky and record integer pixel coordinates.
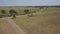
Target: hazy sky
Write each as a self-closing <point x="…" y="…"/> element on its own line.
<point x="28" y="2"/>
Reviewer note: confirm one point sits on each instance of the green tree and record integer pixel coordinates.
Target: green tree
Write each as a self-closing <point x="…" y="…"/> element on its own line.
<point x="26" y="11"/>
<point x="13" y="13"/>
<point x="3" y="13"/>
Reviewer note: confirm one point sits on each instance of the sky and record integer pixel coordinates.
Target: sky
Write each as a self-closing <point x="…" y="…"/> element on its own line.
<point x="29" y="2"/>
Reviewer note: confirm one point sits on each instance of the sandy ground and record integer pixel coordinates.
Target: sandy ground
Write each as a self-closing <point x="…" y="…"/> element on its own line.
<point x="11" y="28"/>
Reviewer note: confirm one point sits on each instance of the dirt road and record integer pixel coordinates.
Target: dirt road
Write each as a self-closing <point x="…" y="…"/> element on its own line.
<point x="11" y="27"/>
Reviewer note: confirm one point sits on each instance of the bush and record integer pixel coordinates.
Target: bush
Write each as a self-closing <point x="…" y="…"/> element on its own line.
<point x="3" y="13"/>
<point x="11" y="12"/>
<point x="26" y="11"/>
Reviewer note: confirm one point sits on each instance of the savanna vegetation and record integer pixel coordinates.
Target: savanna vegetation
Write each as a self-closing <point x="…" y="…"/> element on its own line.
<point x="45" y="20"/>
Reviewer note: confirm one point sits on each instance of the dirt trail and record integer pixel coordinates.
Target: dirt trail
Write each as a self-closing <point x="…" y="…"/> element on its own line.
<point x="11" y="27"/>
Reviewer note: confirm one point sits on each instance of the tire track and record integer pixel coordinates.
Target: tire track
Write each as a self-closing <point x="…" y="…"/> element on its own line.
<point x="12" y="27"/>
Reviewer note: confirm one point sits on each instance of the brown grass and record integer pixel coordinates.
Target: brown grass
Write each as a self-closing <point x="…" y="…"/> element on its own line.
<point x="2" y="27"/>
<point x="47" y="22"/>
<point x="44" y="22"/>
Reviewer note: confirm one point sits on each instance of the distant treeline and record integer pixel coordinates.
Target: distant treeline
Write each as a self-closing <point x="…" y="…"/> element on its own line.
<point x="28" y="6"/>
<point x="13" y="12"/>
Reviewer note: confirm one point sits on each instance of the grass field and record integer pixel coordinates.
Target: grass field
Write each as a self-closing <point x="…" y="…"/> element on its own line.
<point x="2" y="27"/>
<point x="45" y="21"/>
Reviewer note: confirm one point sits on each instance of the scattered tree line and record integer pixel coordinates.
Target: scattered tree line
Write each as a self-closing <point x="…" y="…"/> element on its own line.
<point x="12" y="13"/>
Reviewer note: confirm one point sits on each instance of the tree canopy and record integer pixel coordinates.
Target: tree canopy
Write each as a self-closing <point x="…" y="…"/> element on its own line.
<point x="26" y="11"/>
<point x="3" y="11"/>
<point x="12" y="12"/>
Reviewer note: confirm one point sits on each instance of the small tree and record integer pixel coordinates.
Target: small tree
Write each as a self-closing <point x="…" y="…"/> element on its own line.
<point x="13" y="13"/>
<point x="3" y="12"/>
<point x="26" y="11"/>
